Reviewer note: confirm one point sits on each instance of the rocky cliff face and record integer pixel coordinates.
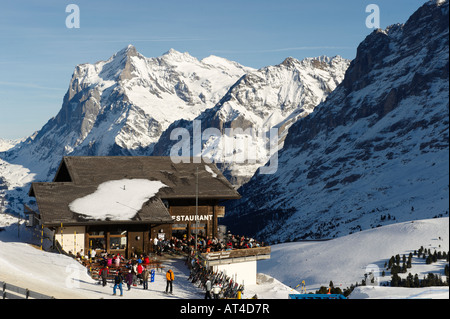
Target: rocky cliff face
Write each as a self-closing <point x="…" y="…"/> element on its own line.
<point x="272" y="97"/>
<point x="375" y="152"/>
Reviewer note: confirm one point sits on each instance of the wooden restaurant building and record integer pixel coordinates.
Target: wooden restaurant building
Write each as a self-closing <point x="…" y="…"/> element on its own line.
<point x="121" y="203"/>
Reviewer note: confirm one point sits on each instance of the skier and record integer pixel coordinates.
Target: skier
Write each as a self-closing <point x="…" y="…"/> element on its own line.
<point x="170" y="278"/>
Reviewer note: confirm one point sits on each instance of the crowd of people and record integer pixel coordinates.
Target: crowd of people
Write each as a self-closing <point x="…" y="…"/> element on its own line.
<point x="137" y="269"/>
<point x="133" y="272"/>
<point x="205" y="244"/>
<point x="184" y="244"/>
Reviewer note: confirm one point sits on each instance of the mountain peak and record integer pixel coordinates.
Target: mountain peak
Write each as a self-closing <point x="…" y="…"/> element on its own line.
<point x="172" y="51"/>
<point x="178" y="56"/>
<point x="289" y="61"/>
<point x="128" y="51"/>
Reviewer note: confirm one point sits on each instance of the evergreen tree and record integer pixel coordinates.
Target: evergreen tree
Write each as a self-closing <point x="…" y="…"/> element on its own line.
<point x="434" y="257"/>
<point x="404" y="269"/>
<point x="391" y="262"/>
<point x="395" y="281"/>
<point x="409" y="262"/>
<point x="395" y="270"/>
<point x="416" y="281"/>
<point x="409" y="280"/>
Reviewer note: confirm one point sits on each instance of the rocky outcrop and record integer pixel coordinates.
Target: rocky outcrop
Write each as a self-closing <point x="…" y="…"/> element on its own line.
<point x="377" y="147"/>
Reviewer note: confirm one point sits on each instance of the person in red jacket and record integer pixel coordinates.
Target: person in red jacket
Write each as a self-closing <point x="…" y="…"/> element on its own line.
<point x="104" y="271"/>
<point x="139" y="273"/>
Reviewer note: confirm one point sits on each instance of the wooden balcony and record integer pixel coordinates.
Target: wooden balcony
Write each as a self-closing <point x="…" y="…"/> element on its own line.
<point x="236" y="256"/>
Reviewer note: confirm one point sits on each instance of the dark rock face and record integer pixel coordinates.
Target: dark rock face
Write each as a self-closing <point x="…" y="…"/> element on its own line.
<point x="378" y="145"/>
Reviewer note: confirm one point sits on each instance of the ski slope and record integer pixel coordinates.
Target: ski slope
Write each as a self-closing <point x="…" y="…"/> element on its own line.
<point x="342" y="260"/>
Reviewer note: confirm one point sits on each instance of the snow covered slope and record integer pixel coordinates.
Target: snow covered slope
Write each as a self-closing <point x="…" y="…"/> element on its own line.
<point x="344" y="260"/>
<point x="6" y="144"/>
<point x="375" y="152"/>
<point x="14" y="183"/>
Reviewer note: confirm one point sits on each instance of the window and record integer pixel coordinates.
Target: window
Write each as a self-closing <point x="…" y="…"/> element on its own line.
<point x="98" y="243"/>
<point x="118" y="243"/>
<point x="118" y="239"/>
<point x="97" y="240"/>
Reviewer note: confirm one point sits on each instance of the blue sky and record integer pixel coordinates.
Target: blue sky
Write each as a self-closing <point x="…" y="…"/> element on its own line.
<point x="38" y="53"/>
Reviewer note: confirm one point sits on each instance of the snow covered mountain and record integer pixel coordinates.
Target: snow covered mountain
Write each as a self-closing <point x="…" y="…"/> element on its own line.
<point x="272" y="97"/>
<point x="375" y="152"/>
<point x="122" y="106"/>
<point x="116" y="107"/>
<point x="6" y="144"/>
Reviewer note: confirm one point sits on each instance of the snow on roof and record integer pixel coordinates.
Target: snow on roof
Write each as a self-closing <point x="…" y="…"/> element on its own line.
<point x="209" y="170"/>
<point x="116" y="200"/>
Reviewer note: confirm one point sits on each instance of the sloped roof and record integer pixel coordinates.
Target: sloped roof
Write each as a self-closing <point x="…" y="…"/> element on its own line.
<point x="79" y="176"/>
<point x="179" y="177"/>
<point x="53" y="200"/>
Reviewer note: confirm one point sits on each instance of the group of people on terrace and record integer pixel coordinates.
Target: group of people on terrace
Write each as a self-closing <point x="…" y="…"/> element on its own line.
<point x="184" y="244"/>
<point x="205" y="244"/>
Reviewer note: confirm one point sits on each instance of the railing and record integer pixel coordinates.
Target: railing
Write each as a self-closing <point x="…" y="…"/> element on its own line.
<point x="13" y="292"/>
<point x="236" y="255"/>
